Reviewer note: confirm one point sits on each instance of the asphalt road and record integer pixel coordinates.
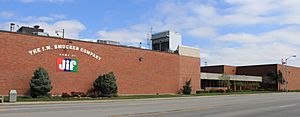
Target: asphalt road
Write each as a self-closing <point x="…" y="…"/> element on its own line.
<point x="257" y="105"/>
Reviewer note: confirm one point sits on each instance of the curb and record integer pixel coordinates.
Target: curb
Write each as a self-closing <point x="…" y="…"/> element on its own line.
<point x="94" y="101"/>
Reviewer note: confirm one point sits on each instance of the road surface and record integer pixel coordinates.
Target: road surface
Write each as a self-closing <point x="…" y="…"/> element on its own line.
<point x="255" y="105"/>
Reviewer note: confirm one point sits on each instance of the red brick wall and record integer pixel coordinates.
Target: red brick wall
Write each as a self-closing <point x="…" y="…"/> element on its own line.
<point x="213" y="69"/>
<point x="229" y="70"/>
<point x="256" y="70"/>
<point x="186" y="73"/>
<point x="221" y="69"/>
<point x="158" y="72"/>
<point x="260" y="70"/>
<point x="293" y="77"/>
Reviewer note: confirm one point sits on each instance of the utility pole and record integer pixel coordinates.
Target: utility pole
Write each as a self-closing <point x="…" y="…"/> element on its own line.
<point x="286" y="76"/>
<point x="62" y="31"/>
<point x="286" y="71"/>
<point x="282" y="85"/>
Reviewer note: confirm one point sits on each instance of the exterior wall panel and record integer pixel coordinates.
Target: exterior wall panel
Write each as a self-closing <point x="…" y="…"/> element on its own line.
<point x="213" y="69"/>
<point x="156" y="72"/>
<point x="261" y="70"/>
<point x="293" y="77"/>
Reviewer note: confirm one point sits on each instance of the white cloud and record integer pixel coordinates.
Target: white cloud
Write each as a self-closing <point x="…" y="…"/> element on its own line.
<point x="251" y="54"/>
<point x="123" y="36"/>
<point x="34" y="18"/>
<point x="237" y="47"/>
<point x="6" y="14"/>
<point x="288" y="35"/>
<point x="72" y="28"/>
<point x="267" y="11"/>
<point x="266" y="47"/>
<point x="5" y="26"/>
<point x="191" y="14"/>
<point x="53" y="17"/>
<point x="234" y="47"/>
<point x="58" y="16"/>
<point x="204" y="32"/>
<point x="185" y="16"/>
<point x="239" y="37"/>
<point x="168" y="16"/>
<point x="132" y="35"/>
<point x="262" y="7"/>
<point x="50" y="23"/>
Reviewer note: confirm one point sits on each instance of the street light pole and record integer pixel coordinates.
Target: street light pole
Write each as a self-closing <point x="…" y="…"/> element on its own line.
<point x="286" y="76"/>
<point x="62" y="31"/>
<point x="282" y="70"/>
<point x="286" y="72"/>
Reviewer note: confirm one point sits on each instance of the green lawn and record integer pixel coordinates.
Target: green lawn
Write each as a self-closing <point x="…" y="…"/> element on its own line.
<point x="29" y="99"/>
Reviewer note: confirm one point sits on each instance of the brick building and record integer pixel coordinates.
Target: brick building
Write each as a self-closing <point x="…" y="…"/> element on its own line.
<point x="262" y="71"/>
<point x="138" y="71"/>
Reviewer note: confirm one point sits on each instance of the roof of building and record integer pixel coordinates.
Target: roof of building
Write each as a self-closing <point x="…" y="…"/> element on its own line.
<point x="247" y="65"/>
<point x="68" y="39"/>
<point x="217" y="66"/>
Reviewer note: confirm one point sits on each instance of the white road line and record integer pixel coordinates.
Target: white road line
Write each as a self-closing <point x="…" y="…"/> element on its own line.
<point x="285" y="106"/>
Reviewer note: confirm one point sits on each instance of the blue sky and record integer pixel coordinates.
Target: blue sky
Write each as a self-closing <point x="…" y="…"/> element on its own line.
<point x="231" y="32"/>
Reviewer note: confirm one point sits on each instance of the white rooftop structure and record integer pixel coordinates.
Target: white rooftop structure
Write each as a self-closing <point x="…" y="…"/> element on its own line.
<point x="189" y="51"/>
<point x="166" y="41"/>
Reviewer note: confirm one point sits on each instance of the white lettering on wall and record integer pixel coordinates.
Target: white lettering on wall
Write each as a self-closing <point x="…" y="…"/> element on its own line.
<point x="64" y="47"/>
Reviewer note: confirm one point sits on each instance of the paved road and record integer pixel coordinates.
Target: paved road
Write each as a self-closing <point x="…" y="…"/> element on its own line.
<point x="257" y="105"/>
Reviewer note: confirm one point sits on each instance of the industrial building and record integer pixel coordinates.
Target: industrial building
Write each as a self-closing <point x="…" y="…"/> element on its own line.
<point x="254" y="73"/>
<point x="137" y="70"/>
<point x="73" y="65"/>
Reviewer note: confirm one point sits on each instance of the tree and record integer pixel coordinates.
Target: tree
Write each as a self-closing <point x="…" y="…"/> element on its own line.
<point x="240" y="84"/>
<point x="225" y="81"/>
<point x="40" y="85"/>
<point x="256" y="85"/>
<point x="187" y="88"/>
<point x="277" y="78"/>
<point x="106" y="85"/>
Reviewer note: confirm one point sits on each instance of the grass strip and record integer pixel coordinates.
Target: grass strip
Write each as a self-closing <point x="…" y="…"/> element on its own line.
<point x="29" y="99"/>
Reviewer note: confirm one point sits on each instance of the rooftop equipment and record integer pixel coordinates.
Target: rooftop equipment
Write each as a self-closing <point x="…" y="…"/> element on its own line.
<point x="35" y="30"/>
<point x="108" y="42"/>
<point x="166" y="41"/>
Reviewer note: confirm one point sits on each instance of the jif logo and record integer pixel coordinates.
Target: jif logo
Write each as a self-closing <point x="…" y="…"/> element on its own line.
<point x="67" y="65"/>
